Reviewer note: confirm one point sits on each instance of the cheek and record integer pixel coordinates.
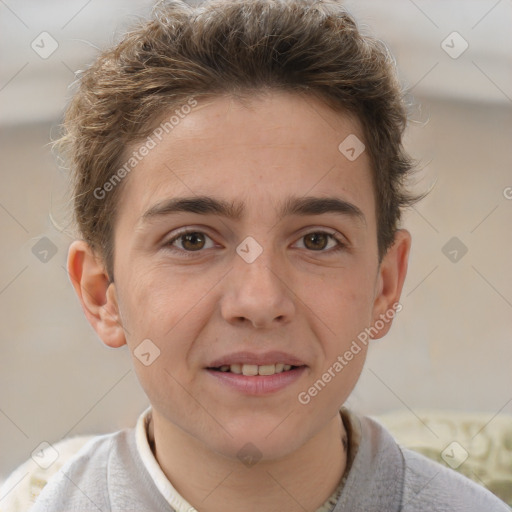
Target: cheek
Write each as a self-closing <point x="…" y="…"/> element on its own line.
<point x="164" y="315"/>
<point x="330" y="386"/>
<point x="158" y="299"/>
<point x="343" y="302"/>
<point x="169" y="309"/>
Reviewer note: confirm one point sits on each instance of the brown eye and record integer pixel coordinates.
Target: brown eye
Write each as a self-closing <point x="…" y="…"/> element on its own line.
<point x="190" y="241"/>
<point x="193" y="241"/>
<point x="316" y="241"/>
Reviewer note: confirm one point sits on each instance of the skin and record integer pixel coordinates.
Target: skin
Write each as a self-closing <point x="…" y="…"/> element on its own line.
<point x="307" y="302"/>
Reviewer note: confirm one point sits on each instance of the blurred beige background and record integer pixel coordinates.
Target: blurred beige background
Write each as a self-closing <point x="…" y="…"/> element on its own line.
<point x="451" y="345"/>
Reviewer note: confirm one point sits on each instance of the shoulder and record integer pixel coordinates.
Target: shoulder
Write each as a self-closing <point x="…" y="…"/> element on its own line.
<point x="24" y="484"/>
<point x="404" y="480"/>
<point x="428" y="483"/>
<point x="82" y="481"/>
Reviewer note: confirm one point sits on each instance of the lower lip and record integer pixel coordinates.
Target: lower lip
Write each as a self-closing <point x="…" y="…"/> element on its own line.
<point x="258" y="384"/>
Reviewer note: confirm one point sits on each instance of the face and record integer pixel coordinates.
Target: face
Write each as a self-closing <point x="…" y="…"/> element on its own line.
<point x="262" y="277"/>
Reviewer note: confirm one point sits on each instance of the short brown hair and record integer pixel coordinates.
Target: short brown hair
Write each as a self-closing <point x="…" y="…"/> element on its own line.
<point x="237" y="47"/>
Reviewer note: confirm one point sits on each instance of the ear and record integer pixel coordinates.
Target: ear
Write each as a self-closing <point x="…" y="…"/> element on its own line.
<point x="97" y="295"/>
<point x="390" y="280"/>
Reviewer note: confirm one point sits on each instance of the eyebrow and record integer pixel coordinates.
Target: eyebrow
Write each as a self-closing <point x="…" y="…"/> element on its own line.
<point x="293" y="205"/>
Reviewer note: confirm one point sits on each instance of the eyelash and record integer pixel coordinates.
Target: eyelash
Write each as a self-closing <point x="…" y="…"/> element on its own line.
<point x="168" y="245"/>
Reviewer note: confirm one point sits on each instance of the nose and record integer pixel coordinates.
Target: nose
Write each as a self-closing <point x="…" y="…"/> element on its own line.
<point x="257" y="293"/>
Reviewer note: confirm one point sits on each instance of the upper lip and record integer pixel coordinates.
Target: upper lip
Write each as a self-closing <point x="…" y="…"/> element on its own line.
<point x="265" y="358"/>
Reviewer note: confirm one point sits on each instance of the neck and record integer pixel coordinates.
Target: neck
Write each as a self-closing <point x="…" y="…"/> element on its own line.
<point x="302" y="480"/>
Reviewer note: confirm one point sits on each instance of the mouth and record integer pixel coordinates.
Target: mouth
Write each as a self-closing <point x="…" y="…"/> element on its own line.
<point x="256" y="374"/>
<point x="256" y="380"/>
<point x="251" y="370"/>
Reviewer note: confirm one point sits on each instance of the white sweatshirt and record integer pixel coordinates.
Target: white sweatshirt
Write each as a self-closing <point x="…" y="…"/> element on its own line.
<point x="118" y="473"/>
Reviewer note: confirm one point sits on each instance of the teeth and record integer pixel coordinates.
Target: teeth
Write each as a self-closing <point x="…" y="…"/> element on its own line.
<point x="250" y="369"/>
<point x="254" y="369"/>
<point x="236" y="368"/>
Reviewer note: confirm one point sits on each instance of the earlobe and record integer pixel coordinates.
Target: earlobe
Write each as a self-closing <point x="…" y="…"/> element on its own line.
<point x="390" y="280"/>
<point x="97" y="295"/>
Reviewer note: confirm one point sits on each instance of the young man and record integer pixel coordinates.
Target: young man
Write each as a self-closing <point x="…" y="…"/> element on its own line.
<point x="239" y="178"/>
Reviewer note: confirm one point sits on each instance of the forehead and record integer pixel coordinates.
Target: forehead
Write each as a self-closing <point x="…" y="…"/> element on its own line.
<point x="270" y="148"/>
